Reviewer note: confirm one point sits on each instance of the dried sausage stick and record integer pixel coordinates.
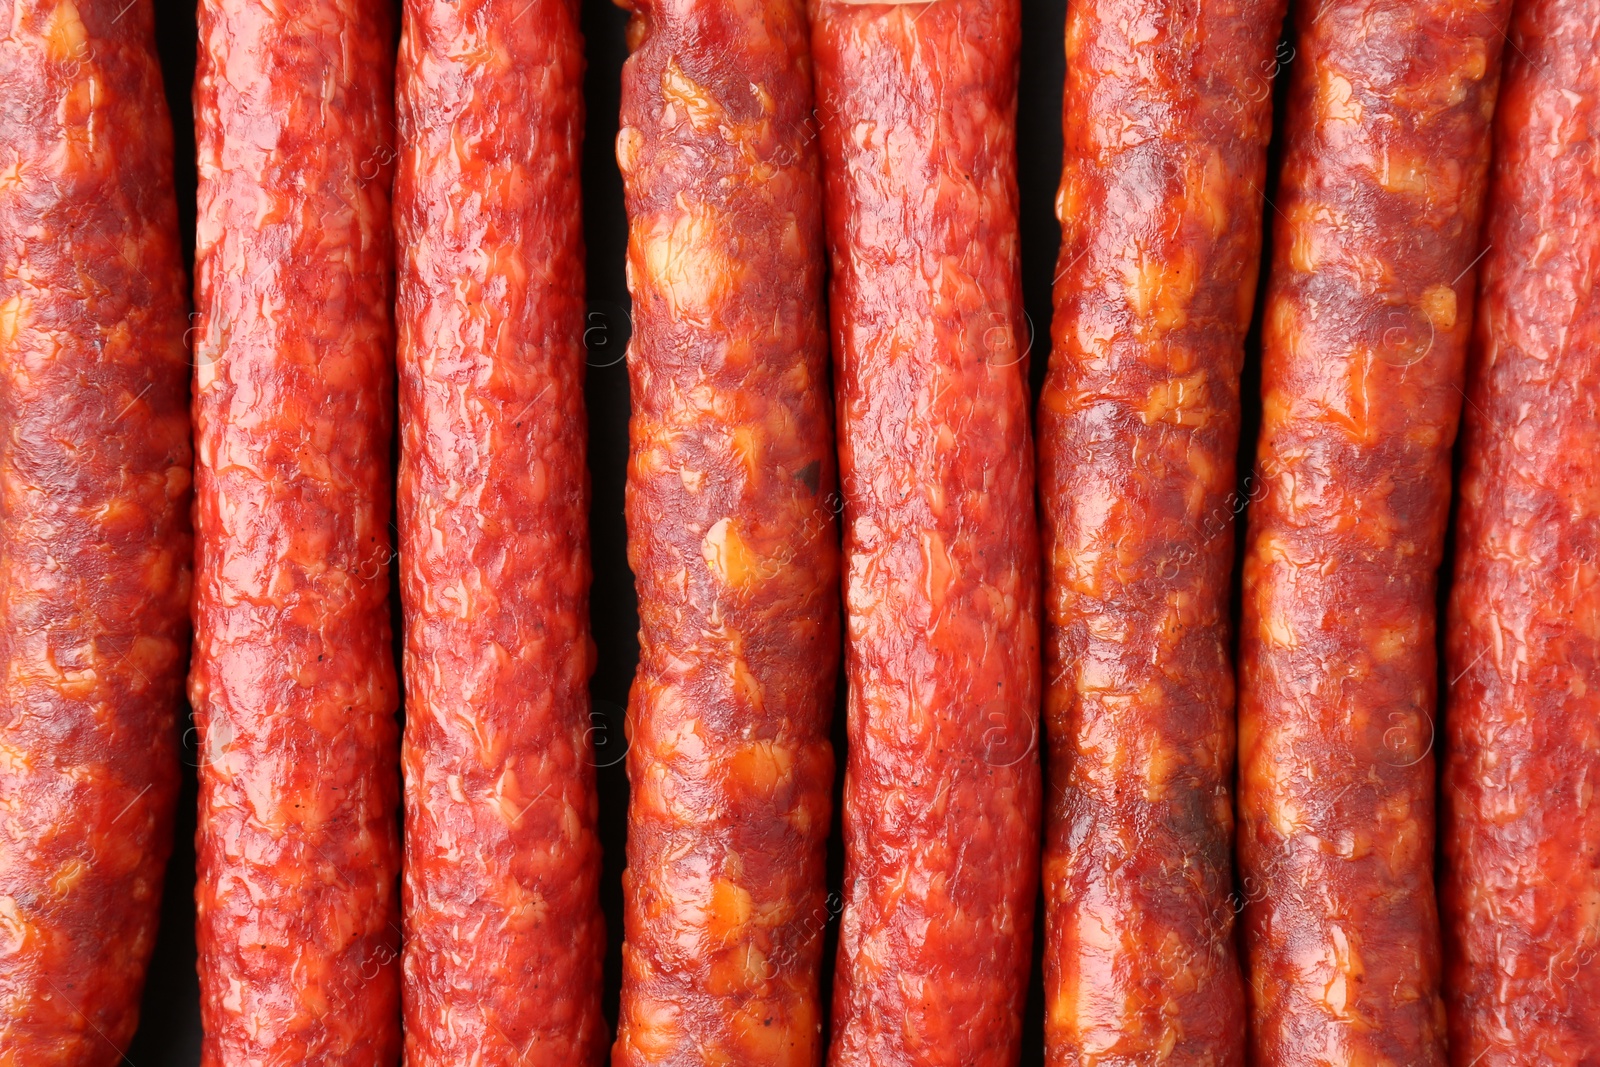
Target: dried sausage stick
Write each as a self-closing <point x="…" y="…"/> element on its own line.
<point x="504" y="937"/>
<point x="94" y="524"/>
<point x="293" y="680"/>
<point x="1167" y="114"/>
<point x="1367" y="318"/>
<point x="731" y="535"/>
<point x="936" y="460"/>
<point x="1521" y="892"/>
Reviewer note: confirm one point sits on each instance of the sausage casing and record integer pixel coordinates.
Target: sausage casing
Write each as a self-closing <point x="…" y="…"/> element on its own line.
<point x="504" y="937"/>
<point x="94" y="524"/>
<point x="1368" y="313"/>
<point x="1521" y="887"/>
<point x="941" y="796"/>
<point x="731" y="536"/>
<point x="293" y="680"/>
<point x="1166" y="122"/>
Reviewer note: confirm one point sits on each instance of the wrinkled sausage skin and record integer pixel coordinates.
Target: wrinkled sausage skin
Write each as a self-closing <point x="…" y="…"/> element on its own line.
<point x="1167" y="114"/>
<point x="94" y="524"/>
<point x="941" y="792"/>
<point x="1521" y="892"/>
<point x="1367" y="317"/>
<point x="732" y="539"/>
<point x="504" y="938"/>
<point x="293" y="680"/>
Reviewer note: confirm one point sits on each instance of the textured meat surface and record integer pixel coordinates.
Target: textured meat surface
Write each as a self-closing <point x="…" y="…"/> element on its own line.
<point x="94" y="525"/>
<point x="293" y="680"/>
<point x="504" y="938"/>
<point x="1521" y="895"/>
<point x="732" y="538"/>
<point x="1368" y="313"/>
<point x="1167" y="116"/>
<point x="918" y="107"/>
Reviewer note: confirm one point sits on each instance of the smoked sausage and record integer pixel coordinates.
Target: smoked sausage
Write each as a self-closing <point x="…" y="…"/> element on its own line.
<point x="941" y="794"/>
<point x="94" y="523"/>
<point x="1521" y="887"/>
<point x="732" y="539"/>
<point x="504" y="937"/>
<point x="293" y="681"/>
<point x="1167" y="113"/>
<point x="1368" y="312"/>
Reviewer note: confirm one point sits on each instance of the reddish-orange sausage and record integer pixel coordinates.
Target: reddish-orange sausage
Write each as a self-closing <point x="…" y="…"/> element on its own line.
<point x="504" y="938"/>
<point x="918" y="106"/>
<point x="732" y="538"/>
<point x="1367" y="318"/>
<point x="293" y="680"/>
<point x="1521" y="892"/>
<point x="1167" y="116"/>
<point x="94" y="525"/>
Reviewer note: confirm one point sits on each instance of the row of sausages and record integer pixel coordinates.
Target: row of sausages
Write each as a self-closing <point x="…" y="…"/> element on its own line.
<point x="791" y="176"/>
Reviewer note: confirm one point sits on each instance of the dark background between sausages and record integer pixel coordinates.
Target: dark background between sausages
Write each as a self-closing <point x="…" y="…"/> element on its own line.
<point x="169" y="1034"/>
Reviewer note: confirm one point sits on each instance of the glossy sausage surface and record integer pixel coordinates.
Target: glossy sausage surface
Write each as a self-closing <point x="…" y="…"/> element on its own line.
<point x="1368" y="313"/>
<point x="941" y="819"/>
<point x="1521" y="892"/>
<point x="1167" y="113"/>
<point x="732" y="539"/>
<point x="504" y="937"/>
<point x="94" y="524"/>
<point x="293" y="681"/>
